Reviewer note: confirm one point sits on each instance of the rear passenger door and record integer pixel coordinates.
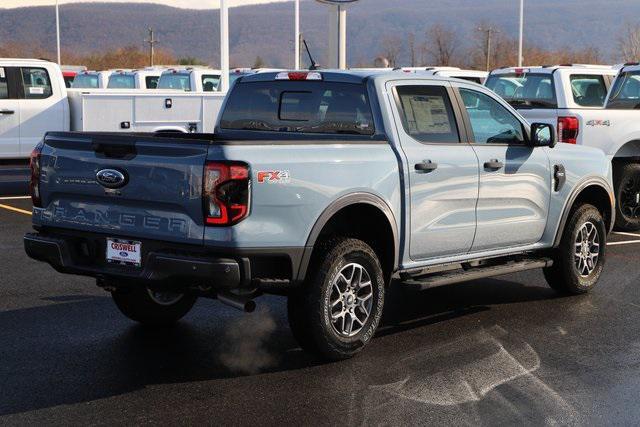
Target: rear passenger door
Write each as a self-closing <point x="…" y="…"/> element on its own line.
<point x="42" y="108"/>
<point x="443" y="171"/>
<point x="9" y="115"/>
<point x="515" y="179"/>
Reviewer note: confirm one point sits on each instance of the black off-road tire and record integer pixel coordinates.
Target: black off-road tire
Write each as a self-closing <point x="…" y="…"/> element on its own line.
<point x="310" y="310"/>
<point x="137" y="304"/>
<point x="564" y="276"/>
<point x="624" y="176"/>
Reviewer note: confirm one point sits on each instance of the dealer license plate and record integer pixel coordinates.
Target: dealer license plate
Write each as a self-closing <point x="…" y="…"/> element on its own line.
<point x="124" y="252"/>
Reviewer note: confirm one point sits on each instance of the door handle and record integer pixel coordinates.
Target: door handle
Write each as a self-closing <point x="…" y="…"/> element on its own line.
<point x="426" y="166"/>
<point x="7" y="112"/>
<point x="494" y="164"/>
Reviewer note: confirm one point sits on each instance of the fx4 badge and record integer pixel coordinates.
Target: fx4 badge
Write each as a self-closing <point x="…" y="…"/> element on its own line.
<point x="599" y="123"/>
<point x="274" y="177"/>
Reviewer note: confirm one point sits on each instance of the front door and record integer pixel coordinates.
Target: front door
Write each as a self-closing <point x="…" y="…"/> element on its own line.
<point x="515" y="179"/>
<point x="9" y="118"/>
<point x="443" y="171"/>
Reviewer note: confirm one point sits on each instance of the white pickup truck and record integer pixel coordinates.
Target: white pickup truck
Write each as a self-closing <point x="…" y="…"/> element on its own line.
<point x="34" y="100"/>
<point x="191" y="79"/>
<point x="574" y="99"/>
<point x="475" y="76"/>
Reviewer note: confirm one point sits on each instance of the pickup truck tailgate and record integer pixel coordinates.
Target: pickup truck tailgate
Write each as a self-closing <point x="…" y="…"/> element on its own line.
<point x="162" y="198"/>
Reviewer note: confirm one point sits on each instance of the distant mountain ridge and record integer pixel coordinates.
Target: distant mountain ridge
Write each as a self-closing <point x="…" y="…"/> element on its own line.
<point x="267" y="30"/>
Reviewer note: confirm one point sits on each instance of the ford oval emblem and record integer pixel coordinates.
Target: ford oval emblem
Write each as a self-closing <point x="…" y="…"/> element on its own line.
<point x="111" y="178"/>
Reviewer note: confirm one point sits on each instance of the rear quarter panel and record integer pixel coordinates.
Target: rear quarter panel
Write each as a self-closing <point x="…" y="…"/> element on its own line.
<point x="283" y="212"/>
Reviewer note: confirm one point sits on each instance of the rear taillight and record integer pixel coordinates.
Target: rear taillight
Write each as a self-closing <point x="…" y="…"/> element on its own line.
<point x="226" y="193"/>
<point x="34" y="184"/>
<point x="568" y="128"/>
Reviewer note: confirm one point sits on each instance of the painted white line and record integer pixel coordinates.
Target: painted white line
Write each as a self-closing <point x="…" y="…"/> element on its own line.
<point x="629" y="242"/>
<point x="622" y="233"/>
<point x="26" y="197"/>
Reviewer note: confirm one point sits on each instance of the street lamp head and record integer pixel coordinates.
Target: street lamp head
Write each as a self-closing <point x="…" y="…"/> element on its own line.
<point x="337" y="2"/>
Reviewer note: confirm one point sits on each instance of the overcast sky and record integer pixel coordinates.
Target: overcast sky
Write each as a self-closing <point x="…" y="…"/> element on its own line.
<point x="191" y="4"/>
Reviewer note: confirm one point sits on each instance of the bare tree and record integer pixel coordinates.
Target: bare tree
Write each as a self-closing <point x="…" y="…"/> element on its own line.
<point x="629" y="43"/>
<point x="443" y="44"/>
<point x="391" y="49"/>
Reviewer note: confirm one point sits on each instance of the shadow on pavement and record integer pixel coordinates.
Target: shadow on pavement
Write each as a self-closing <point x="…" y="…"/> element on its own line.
<point x="81" y="349"/>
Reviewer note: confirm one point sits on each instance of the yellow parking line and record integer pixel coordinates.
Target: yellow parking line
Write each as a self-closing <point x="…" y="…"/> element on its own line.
<point x="628" y="242"/>
<point x="11" y="208"/>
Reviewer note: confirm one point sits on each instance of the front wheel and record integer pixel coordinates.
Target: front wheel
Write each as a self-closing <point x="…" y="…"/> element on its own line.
<point x="627" y="184"/>
<point x="336" y="313"/>
<point x="579" y="260"/>
<point x="153" y="308"/>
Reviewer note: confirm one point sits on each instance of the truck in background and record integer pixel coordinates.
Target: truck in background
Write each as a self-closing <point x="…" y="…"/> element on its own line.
<point x="146" y="78"/>
<point x="91" y="80"/>
<point x="34" y="100"/>
<point x="476" y="76"/>
<point x="192" y="79"/>
<point x="69" y="72"/>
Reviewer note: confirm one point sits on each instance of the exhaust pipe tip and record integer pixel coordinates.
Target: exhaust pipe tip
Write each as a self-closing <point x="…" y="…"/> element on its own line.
<point x="250" y="306"/>
<point x="241" y="303"/>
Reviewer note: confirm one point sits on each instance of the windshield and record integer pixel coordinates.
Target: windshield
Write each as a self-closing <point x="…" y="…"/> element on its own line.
<point x="527" y="90"/>
<point x="625" y="94"/>
<point x="121" y="81"/>
<point x="179" y="81"/>
<point x="304" y="107"/>
<point x="85" y="81"/>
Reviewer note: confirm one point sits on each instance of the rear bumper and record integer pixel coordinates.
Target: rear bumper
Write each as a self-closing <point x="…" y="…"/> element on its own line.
<point x="158" y="266"/>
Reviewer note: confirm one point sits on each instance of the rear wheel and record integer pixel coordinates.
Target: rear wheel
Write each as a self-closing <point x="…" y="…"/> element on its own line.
<point x="338" y="310"/>
<point x="579" y="261"/>
<point x="627" y="183"/>
<point x="151" y="307"/>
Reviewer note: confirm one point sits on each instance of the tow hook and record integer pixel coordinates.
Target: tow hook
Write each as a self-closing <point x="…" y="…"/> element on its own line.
<point x="246" y="304"/>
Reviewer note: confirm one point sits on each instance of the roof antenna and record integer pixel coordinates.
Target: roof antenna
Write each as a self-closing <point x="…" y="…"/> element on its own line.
<point x="314" y="65"/>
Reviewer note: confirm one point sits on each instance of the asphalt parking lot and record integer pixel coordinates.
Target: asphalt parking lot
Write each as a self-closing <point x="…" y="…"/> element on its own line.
<point x="496" y="351"/>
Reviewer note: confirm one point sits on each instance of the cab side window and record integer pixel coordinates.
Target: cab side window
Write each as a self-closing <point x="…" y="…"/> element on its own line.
<point x="588" y="90"/>
<point x="4" y="85"/>
<point x="210" y="83"/>
<point x="36" y="83"/>
<point x="490" y="121"/>
<point x="427" y="114"/>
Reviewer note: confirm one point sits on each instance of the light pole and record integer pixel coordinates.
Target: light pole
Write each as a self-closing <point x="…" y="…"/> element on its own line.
<point x="337" y="32"/>
<point x="520" y="59"/>
<point x="58" y="30"/>
<point x="297" y="35"/>
<point x="224" y="46"/>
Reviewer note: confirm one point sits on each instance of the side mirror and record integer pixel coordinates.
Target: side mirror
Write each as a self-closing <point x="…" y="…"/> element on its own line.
<point x="543" y="135"/>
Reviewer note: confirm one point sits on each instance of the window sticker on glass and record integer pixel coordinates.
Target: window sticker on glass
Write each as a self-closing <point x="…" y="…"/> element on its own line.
<point x="430" y="114"/>
<point x="2" y="75"/>
<point x="36" y="90"/>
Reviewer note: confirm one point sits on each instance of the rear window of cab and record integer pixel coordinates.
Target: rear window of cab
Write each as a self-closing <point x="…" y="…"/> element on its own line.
<point x="299" y="107"/>
<point x="526" y="90"/>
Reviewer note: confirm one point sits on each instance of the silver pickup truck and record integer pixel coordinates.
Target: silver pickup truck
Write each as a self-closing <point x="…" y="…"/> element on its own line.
<point x="326" y="187"/>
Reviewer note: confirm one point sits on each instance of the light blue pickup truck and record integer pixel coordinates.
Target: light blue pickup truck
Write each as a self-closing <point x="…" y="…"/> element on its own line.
<point x="326" y="187"/>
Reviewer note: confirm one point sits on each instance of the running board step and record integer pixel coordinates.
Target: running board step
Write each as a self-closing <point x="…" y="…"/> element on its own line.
<point x="461" y="275"/>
